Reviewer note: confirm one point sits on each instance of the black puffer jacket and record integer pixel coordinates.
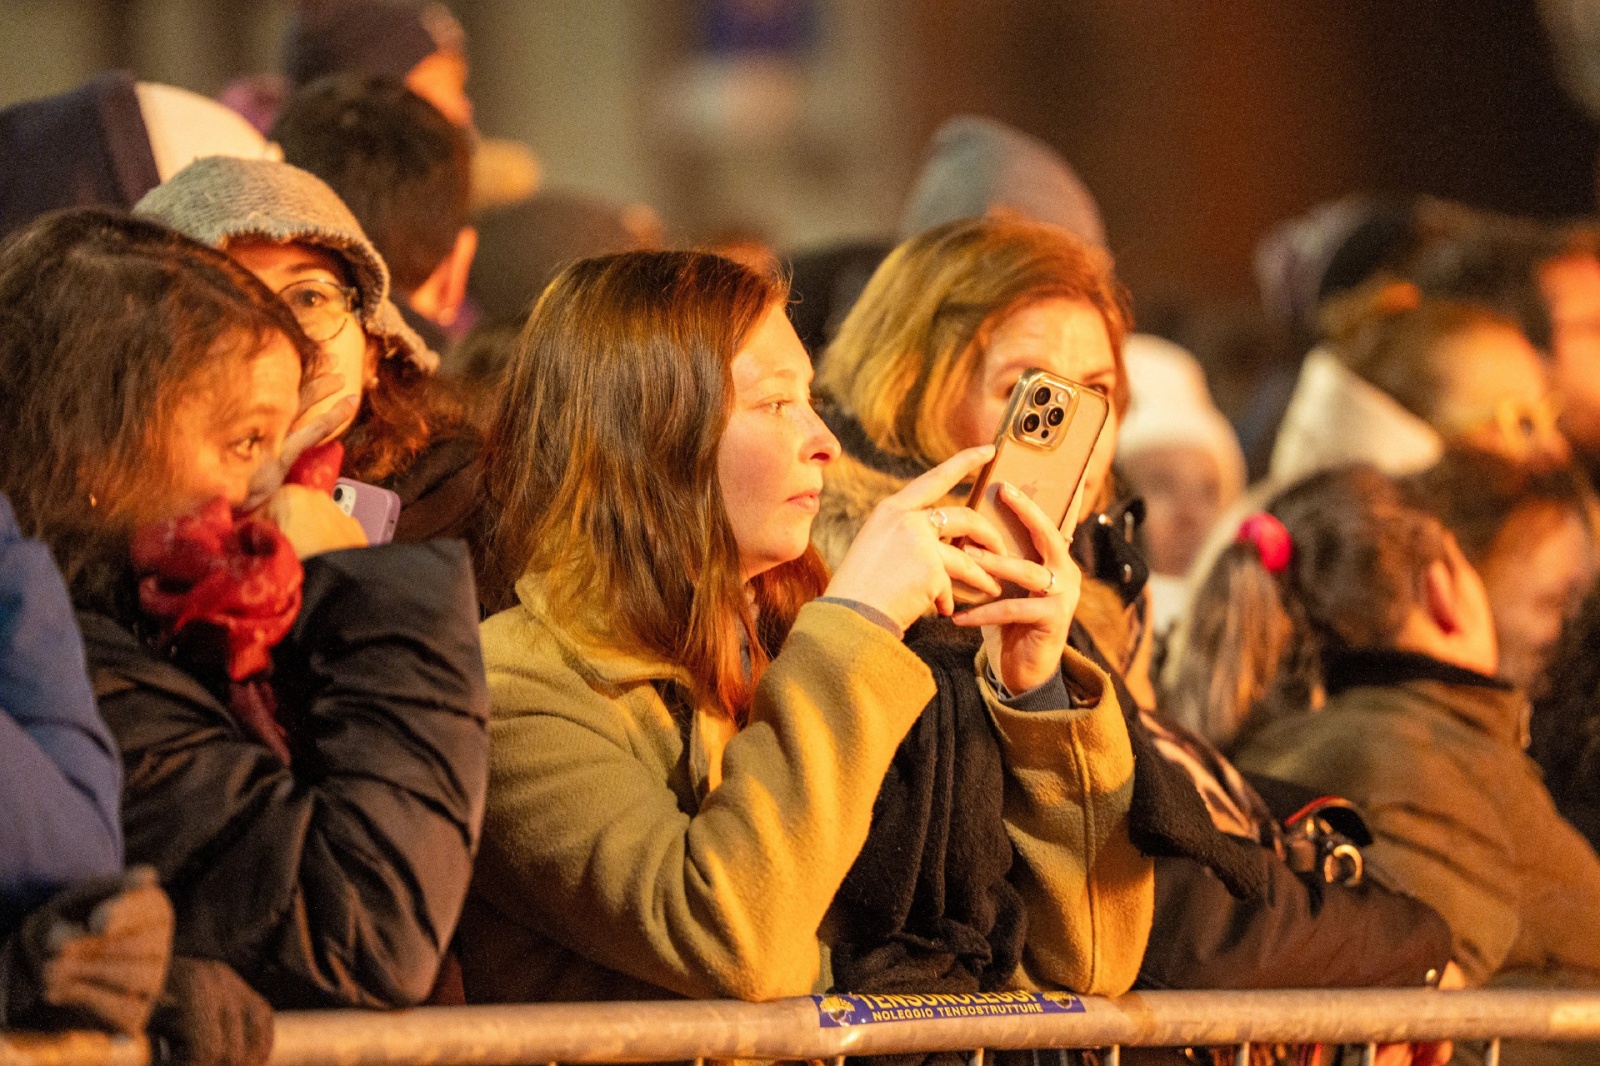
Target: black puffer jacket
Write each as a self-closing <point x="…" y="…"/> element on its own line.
<point x="336" y="882"/>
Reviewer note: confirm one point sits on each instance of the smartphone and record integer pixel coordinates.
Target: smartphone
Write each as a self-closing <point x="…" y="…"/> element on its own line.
<point x="1046" y="437"/>
<point x="376" y="509"/>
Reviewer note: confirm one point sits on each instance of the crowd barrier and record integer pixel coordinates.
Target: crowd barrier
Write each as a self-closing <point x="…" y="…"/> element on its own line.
<point x="832" y="1027"/>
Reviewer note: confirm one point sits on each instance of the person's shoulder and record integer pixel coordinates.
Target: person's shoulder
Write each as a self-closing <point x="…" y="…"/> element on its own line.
<point x="522" y="651"/>
<point x="538" y="681"/>
<point x="1359" y="744"/>
<point x="439" y="491"/>
<point x="447" y="456"/>
<point x="140" y="695"/>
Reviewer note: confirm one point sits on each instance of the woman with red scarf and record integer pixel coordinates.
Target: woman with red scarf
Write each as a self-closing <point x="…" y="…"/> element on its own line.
<point x="302" y="726"/>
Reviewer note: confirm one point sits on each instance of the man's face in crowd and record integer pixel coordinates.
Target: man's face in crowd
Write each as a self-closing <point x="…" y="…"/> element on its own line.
<point x="1571" y="287"/>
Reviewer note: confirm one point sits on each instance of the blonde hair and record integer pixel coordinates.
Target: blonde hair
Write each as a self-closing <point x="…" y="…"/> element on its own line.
<point x="907" y="352"/>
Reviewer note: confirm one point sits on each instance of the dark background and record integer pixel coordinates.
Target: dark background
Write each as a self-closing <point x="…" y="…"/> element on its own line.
<point x="1198" y="126"/>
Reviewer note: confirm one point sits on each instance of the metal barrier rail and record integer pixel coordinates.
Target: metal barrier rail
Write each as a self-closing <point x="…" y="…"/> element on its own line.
<point x="649" y="1032"/>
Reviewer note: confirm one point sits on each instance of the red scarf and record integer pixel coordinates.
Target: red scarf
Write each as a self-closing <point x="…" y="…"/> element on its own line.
<point x="225" y="590"/>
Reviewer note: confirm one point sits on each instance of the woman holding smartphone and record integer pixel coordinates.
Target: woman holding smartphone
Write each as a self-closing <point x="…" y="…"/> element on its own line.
<point x="691" y="716"/>
<point x="924" y="365"/>
<point x="301" y="728"/>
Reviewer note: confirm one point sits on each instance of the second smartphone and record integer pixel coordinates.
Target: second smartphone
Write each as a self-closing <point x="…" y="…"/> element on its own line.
<point x="1046" y="436"/>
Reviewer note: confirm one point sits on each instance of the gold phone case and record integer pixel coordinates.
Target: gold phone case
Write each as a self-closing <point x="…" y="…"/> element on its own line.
<point x="1046" y="437"/>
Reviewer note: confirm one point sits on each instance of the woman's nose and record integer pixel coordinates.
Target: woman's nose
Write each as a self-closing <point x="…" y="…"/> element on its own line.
<point x="1552" y="444"/>
<point x="823" y="446"/>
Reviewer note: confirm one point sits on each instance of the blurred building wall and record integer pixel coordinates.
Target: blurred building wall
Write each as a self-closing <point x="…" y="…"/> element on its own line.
<point x="1198" y="126"/>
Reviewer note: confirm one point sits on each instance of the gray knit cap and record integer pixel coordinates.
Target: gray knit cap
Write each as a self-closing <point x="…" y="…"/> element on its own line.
<point x="218" y="198"/>
<point x="976" y="165"/>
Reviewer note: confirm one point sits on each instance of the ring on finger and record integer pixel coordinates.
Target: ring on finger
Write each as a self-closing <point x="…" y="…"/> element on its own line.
<point x="1050" y="588"/>
<point x="939" y="520"/>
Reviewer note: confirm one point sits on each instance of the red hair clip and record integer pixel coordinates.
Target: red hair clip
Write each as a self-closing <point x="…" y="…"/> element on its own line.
<point x="1271" y="540"/>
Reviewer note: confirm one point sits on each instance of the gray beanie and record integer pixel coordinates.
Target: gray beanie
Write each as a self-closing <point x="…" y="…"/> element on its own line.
<point x="219" y="198"/>
<point x="976" y="165"/>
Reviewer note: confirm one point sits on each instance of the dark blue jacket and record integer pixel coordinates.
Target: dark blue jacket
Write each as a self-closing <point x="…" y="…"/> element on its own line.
<point x="60" y="775"/>
<point x="87" y="147"/>
<point x="335" y="881"/>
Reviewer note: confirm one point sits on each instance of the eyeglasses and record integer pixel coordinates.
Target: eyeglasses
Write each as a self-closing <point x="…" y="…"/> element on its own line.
<point x="1523" y="427"/>
<point x="321" y="307"/>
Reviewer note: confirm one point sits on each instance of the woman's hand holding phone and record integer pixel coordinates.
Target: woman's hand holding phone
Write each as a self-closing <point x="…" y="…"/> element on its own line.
<point x="312" y="522"/>
<point x="1026" y="635"/>
<point x="901" y="564"/>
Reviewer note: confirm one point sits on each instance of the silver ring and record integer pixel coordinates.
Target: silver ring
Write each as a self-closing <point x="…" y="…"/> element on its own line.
<point x="1050" y="587"/>
<point x="939" y="520"/>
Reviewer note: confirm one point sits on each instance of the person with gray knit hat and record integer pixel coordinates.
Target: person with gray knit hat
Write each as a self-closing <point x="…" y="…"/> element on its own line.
<point x="402" y="428"/>
<point x="223" y="201"/>
<point x="977" y="166"/>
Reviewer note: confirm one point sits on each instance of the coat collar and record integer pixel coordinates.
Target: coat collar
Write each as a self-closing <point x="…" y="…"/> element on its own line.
<point x="708" y="729"/>
<point x="1488" y="704"/>
<point x="584" y="640"/>
<point x="118" y="661"/>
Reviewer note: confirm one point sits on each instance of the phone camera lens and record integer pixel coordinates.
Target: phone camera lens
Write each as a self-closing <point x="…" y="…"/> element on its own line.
<point x="1055" y="415"/>
<point x="1041" y="396"/>
<point x="1030" y="423"/>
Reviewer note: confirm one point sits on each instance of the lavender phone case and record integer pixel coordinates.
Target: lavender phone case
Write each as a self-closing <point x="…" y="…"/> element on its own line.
<point x="376" y="509"/>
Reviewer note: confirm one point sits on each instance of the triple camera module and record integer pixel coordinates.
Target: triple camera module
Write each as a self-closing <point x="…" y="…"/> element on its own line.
<point x="1043" y="413"/>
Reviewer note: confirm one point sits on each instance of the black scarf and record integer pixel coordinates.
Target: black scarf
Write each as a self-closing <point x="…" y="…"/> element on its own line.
<point x="927" y="906"/>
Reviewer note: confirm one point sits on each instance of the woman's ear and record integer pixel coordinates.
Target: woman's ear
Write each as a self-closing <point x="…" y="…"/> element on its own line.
<point x="1442" y="593"/>
<point x="369" y="363"/>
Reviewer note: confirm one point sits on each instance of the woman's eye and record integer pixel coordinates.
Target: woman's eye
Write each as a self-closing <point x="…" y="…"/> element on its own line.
<point x="246" y="447"/>
<point x="306" y="299"/>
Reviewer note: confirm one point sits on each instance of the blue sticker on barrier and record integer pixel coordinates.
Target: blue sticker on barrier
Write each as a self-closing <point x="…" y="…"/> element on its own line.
<point x="838" y="1011"/>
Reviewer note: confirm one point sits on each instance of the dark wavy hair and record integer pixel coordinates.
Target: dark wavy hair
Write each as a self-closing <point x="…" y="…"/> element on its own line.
<point x="1361" y="552"/>
<point x="601" y="467"/>
<point x="402" y="167"/>
<point x="107" y="324"/>
<point x="405" y="412"/>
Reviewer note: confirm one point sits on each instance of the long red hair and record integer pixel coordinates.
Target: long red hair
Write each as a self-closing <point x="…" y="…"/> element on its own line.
<point x="600" y="470"/>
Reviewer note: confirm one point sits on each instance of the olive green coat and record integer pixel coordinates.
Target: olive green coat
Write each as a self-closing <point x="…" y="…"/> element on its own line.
<point x="629" y="852"/>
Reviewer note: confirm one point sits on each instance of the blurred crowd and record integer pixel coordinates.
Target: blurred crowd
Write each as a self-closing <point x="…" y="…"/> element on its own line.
<point x="421" y="586"/>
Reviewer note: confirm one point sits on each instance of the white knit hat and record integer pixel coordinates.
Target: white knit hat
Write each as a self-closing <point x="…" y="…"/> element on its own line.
<point x="216" y="199"/>
<point x="1169" y="404"/>
<point x="185" y="126"/>
<point x="1335" y="417"/>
